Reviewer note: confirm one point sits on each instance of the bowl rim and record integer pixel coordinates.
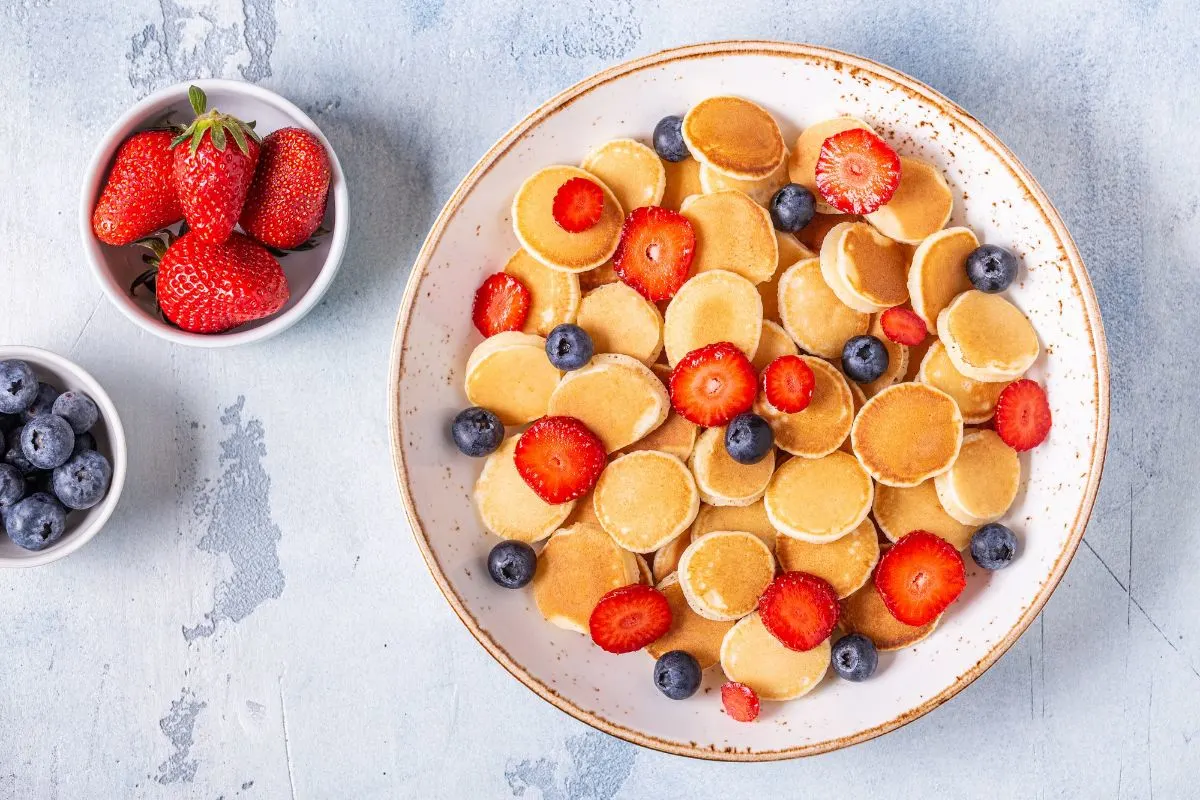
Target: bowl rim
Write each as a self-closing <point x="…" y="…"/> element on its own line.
<point x="116" y="440"/>
<point x="98" y="166"/>
<point x="838" y="59"/>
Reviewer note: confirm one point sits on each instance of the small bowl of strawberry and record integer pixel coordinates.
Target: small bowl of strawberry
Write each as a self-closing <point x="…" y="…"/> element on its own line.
<point x="214" y="213"/>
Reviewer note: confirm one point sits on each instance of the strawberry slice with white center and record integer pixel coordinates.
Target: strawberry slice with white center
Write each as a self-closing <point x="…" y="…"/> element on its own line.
<point x="655" y="252"/>
<point x="857" y="172"/>
<point x="578" y="205"/>
<point x="1022" y="415"/>
<point x="713" y="384"/>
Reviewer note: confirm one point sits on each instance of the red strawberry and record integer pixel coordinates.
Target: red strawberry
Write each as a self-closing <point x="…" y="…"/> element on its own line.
<point x="712" y="385"/>
<point x="1022" y="415"/>
<point x="630" y="618"/>
<point x="903" y="326"/>
<point x="578" y="204"/>
<point x="286" y="202"/>
<point x="919" y="577"/>
<point x="559" y="458"/>
<point x="139" y="196"/>
<point x="788" y="383"/>
<point x="800" y="610"/>
<point x="212" y="173"/>
<point x="210" y="288"/>
<point x="655" y="253"/>
<point x="740" y="701"/>
<point x="857" y="172"/>
<point x="501" y="304"/>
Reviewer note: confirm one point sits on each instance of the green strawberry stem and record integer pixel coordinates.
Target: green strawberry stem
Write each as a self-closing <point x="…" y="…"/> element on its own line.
<point x="218" y="126"/>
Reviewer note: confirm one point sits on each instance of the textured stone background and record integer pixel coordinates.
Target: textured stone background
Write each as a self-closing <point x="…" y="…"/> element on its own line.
<point x="255" y="622"/>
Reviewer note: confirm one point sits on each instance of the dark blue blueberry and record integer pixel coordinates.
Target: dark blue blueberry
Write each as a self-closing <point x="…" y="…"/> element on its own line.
<point x="9" y="421"/>
<point x="792" y="208"/>
<point x="512" y="564"/>
<point x="477" y="431"/>
<point x="748" y="439"/>
<point x="864" y="359"/>
<point x="14" y="455"/>
<point x="569" y="347"/>
<point x="83" y="481"/>
<point x="43" y="403"/>
<point x="668" y="139"/>
<point x="854" y="657"/>
<point x="36" y="522"/>
<point x="78" y="409"/>
<point x="47" y="441"/>
<point x="677" y="674"/>
<point x="994" y="546"/>
<point x="18" y="386"/>
<point x="40" y="481"/>
<point x="12" y="484"/>
<point x="84" y="441"/>
<point x="991" y="269"/>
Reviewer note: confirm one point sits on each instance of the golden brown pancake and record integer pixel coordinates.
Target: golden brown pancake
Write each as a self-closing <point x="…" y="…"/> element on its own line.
<point x="981" y="485"/>
<point x="666" y="559"/>
<point x="987" y="337"/>
<point x="735" y="137"/>
<point x="803" y="162"/>
<point x="751" y="655"/>
<point x="760" y="191"/>
<point x="584" y="511"/>
<point x="907" y="433"/>
<point x="620" y="320"/>
<point x="723" y="574"/>
<point x="865" y="269"/>
<point x="732" y="233"/>
<point x="819" y="429"/>
<point x="860" y="400"/>
<point x="900" y="511"/>
<point x="846" y="563"/>
<point x="541" y="236"/>
<point x="751" y="519"/>
<point x="509" y="374"/>
<point x="714" y="306"/>
<point x="553" y="295"/>
<point x="864" y="612"/>
<point x="916" y="354"/>
<point x="920" y="207"/>
<point x="632" y="170"/>
<point x="644" y="500"/>
<point x="897" y="361"/>
<point x="976" y="399"/>
<point x="723" y="481"/>
<point x="683" y="181"/>
<point x="813" y="315"/>
<point x="693" y="634"/>
<point x="577" y="567"/>
<point x="819" y="500"/>
<point x="772" y="344"/>
<point x="506" y="504"/>
<point x="617" y="397"/>
<point x="790" y="251"/>
<point x="676" y="436"/>
<point x="813" y="234"/>
<point x="939" y="272"/>
<point x="594" y="278"/>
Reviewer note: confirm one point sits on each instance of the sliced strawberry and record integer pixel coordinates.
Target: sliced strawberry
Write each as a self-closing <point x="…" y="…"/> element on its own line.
<point x="903" y="326"/>
<point x="788" y="383"/>
<point x="919" y="577"/>
<point x="799" y="609"/>
<point x="712" y="385"/>
<point x="501" y="304"/>
<point x="1022" y="415"/>
<point x="740" y="701"/>
<point x="655" y="253"/>
<point x="857" y="172"/>
<point x="630" y="618"/>
<point x="560" y="458"/>
<point x="578" y="205"/>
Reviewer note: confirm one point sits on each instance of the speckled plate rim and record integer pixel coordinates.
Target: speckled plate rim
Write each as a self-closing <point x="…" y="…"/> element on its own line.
<point x="839" y="60"/>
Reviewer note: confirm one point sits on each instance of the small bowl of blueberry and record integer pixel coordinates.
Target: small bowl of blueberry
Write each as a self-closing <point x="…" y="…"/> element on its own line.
<point x="63" y="457"/>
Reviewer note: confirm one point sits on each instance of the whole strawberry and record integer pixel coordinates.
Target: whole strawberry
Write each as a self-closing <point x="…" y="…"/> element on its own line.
<point x="139" y="196"/>
<point x="214" y="165"/>
<point x="287" y="199"/>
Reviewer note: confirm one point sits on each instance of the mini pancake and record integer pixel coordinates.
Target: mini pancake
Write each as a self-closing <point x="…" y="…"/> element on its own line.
<point x="683" y="181"/>
<point x="987" y="337"/>
<point x="916" y="354"/>
<point x="577" y="567"/>
<point x="541" y="236"/>
<point x="676" y="436"/>
<point x="860" y="400"/>
<point x="751" y="519"/>
<point x="510" y="375"/>
<point x="666" y="558"/>
<point x="751" y="655"/>
<point x="620" y="320"/>
<point x="632" y="170"/>
<point x="772" y="344"/>
<point x="723" y="481"/>
<point x="976" y="399"/>
<point x="864" y="612"/>
<point x="790" y="251"/>
<point x="760" y="191"/>
<point x="723" y="574"/>
<point x="645" y="499"/>
<point x="907" y="433"/>
<point x="714" y="306"/>
<point x="813" y="234"/>
<point x="981" y="485"/>
<point x="732" y="233"/>
<point x="600" y="276"/>
<point x="897" y="361"/>
<point x="734" y="137"/>
<point x="506" y="504"/>
<point x="900" y="511"/>
<point x="920" y="207"/>
<point x="813" y="315"/>
<point x="693" y="634"/>
<point x="819" y="429"/>
<point x="802" y="165"/>
<point x="846" y="564"/>
<point x="939" y="272"/>
<point x="584" y="511"/>
<point x="617" y="397"/>
<point x="645" y="574"/>
<point x="865" y="269"/>
<point x="819" y="500"/>
<point x="553" y="295"/>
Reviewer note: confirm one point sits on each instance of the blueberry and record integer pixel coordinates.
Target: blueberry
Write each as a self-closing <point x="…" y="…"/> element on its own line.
<point x="512" y="564"/>
<point x="477" y="431"/>
<point x="47" y="441"/>
<point x="83" y="481"/>
<point x="792" y="208"/>
<point x="18" y="386"/>
<point x="748" y="438"/>
<point x="36" y="522"/>
<point x="854" y="657"/>
<point x="991" y="269"/>
<point x="43" y="403"/>
<point x="78" y="409"/>
<point x="12" y="484"/>
<point x="677" y="674"/>
<point x="569" y="347"/>
<point x="40" y="481"/>
<point x="668" y="139"/>
<point x="993" y="546"/>
<point x="9" y="421"/>
<point x="15" y="456"/>
<point x="864" y="358"/>
<point x="84" y="441"/>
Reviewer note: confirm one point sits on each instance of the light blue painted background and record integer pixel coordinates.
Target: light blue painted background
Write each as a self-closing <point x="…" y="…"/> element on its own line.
<point x="261" y="490"/>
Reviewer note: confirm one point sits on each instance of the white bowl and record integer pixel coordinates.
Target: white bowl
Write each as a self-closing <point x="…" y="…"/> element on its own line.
<point x="800" y="84"/>
<point x="309" y="273"/>
<point x="110" y="441"/>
